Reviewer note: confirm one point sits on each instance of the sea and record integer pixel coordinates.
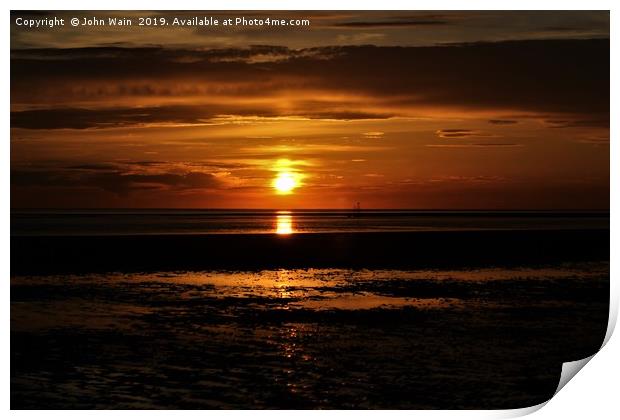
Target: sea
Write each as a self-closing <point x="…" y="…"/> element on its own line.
<point x="159" y="221"/>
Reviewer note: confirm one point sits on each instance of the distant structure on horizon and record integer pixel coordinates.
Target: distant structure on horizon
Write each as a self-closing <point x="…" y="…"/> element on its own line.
<point x="356" y="210"/>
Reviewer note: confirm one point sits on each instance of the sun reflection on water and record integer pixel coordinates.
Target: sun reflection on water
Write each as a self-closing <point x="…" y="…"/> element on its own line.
<point x="284" y="223"/>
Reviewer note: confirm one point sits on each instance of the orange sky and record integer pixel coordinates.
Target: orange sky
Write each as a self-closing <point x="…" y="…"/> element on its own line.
<point x="394" y="110"/>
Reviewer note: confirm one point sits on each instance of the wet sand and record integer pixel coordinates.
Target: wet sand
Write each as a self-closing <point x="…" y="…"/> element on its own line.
<point x="465" y="337"/>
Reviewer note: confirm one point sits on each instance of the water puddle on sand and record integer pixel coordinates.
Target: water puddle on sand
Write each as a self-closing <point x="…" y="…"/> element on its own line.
<point x="313" y="278"/>
<point x="105" y="296"/>
<point x="371" y="301"/>
<point x="300" y="338"/>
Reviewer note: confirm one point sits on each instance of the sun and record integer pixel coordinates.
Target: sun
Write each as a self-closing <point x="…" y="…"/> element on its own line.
<point x="285" y="183"/>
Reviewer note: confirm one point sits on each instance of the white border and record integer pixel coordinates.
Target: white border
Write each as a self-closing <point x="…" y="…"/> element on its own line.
<point x="593" y="393"/>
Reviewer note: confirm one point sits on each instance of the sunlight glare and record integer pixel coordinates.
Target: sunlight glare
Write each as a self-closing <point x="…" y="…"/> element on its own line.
<point x="284" y="183"/>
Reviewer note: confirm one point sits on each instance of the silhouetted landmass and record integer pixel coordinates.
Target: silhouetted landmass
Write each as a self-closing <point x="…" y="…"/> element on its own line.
<point x="58" y="254"/>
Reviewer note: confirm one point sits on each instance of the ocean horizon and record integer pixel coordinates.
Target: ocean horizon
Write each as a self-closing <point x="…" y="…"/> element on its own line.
<point x="84" y="222"/>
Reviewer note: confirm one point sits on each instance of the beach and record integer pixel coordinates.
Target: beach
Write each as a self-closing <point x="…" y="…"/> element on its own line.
<point x="474" y="319"/>
<point x="474" y="339"/>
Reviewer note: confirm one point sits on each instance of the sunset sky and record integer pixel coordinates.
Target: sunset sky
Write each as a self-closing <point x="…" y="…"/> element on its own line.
<point x="420" y="110"/>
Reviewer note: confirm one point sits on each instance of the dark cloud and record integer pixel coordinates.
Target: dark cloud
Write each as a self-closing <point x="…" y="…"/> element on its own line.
<point x="567" y="79"/>
<point x="564" y="29"/>
<point x="466" y="145"/>
<point x="348" y="115"/>
<point x="572" y="123"/>
<point x="80" y="118"/>
<point x="113" y="181"/>
<point x="94" y="167"/>
<point x="146" y="163"/>
<point x="455" y="133"/>
<point x="180" y="58"/>
<point x="469" y="179"/>
<point x="495" y="145"/>
<point x="392" y="23"/>
<point x="503" y="122"/>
